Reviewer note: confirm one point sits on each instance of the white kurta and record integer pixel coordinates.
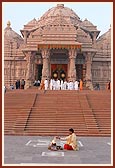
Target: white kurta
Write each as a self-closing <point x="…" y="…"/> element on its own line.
<point x="46" y="84"/>
<point x="62" y="85"/>
<point x="54" y="84"/>
<point x="76" y="85"/>
<point x="58" y="85"/>
<point x="65" y="85"/>
<point x="71" y="85"/>
<point x="68" y="85"/>
<point x="51" y="84"/>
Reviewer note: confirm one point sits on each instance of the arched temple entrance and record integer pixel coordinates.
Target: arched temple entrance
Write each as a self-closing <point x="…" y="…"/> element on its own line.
<point x="59" y="62"/>
<point x="59" y="65"/>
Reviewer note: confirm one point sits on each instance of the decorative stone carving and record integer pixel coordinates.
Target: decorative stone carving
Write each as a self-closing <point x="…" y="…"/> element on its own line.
<point x="29" y="72"/>
<point x="72" y="53"/>
<point x="72" y="69"/>
<point x="45" y="53"/>
<point x="45" y="70"/>
<point x="88" y="58"/>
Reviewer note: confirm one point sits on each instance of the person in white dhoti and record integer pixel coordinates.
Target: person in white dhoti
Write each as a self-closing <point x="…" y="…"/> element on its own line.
<point x="58" y="84"/>
<point x="46" y="84"/>
<point x="68" y="85"/>
<point x="62" y="85"/>
<point x="71" y="85"/>
<point x="51" y="84"/>
<point x="65" y="85"/>
<point x="54" y="84"/>
<point x="76" y="85"/>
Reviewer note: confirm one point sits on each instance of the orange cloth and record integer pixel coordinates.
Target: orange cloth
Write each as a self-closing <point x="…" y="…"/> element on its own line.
<point x="42" y="87"/>
<point x="81" y="85"/>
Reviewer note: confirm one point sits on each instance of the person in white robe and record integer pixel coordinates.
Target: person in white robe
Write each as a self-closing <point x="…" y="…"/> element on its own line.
<point x="65" y="85"/>
<point x="68" y="85"/>
<point x="54" y="84"/>
<point x="51" y="84"/>
<point x="58" y="84"/>
<point x="71" y="85"/>
<point x="62" y="85"/>
<point x="46" y="84"/>
<point x="76" y="85"/>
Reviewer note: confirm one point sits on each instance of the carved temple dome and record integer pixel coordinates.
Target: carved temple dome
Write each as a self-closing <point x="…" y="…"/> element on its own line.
<point x="11" y="40"/>
<point x="60" y="10"/>
<point x="9" y="34"/>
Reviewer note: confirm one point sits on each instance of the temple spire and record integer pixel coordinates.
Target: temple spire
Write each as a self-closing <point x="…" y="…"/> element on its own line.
<point x="8" y="24"/>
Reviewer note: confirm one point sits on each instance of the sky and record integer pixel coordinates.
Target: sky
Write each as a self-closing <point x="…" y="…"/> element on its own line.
<point x="19" y="14"/>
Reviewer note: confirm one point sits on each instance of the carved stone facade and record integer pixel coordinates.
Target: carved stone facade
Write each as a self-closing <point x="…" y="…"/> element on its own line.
<point x="59" y="42"/>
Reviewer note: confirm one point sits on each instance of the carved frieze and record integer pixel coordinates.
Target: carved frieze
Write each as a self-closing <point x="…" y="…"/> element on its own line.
<point x="45" y="53"/>
<point x="72" y="53"/>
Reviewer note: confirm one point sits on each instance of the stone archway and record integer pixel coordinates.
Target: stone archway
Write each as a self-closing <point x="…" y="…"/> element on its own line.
<point x="59" y="63"/>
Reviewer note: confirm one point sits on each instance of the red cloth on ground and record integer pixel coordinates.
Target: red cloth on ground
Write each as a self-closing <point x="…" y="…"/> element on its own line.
<point x="68" y="147"/>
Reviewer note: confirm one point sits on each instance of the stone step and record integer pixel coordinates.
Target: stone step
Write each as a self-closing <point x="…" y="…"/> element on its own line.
<point x="34" y="112"/>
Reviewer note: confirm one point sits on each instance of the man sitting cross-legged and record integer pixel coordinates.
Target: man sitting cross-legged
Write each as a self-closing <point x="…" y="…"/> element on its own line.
<point x="71" y="142"/>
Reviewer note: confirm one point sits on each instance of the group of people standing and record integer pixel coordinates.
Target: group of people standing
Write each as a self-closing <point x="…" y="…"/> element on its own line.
<point x="37" y="83"/>
<point x="61" y="85"/>
<point x="20" y="84"/>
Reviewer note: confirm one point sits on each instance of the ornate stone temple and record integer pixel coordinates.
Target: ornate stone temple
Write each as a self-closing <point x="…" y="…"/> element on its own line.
<point x="58" y="45"/>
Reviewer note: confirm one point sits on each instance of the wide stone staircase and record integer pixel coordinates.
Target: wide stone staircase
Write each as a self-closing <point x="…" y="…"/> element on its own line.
<point x="36" y="112"/>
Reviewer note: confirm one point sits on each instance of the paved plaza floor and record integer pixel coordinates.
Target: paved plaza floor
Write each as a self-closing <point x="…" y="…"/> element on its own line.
<point x="32" y="150"/>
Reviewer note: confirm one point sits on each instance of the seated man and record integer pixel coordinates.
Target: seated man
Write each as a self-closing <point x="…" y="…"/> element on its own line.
<point x="35" y="83"/>
<point x="71" y="143"/>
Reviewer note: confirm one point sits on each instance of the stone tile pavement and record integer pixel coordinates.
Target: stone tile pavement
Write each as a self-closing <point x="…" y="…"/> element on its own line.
<point x="32" y="150"/>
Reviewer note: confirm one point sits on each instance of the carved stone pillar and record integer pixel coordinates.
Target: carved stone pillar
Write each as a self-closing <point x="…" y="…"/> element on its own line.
<point x="88" y="69"/>
<point x="32" y="62"/>
<point x="72" y="69"/>
<point x="28" y="70"/>
<point x="45" y="70"/>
